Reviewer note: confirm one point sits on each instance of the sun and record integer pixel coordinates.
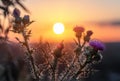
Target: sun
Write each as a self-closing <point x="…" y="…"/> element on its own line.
<point x="58" y="28"/>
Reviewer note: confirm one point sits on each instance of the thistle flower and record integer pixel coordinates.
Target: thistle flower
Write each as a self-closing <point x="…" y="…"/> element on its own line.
<point x="26" y="19"/>
<point x="16" y="13"/>
<point x="78" y="30"/>
<point x="97" y="45"/>
<point x="88" y="35"/>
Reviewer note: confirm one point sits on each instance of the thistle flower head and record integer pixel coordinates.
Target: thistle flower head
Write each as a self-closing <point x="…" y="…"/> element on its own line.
<point x="97" y="45"/>
<point x="16" y="13"/>
<point x="78" y="29"/>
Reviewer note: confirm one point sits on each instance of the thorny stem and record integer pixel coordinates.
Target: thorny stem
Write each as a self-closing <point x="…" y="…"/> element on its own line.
<point x="79" y="71"/>
<point x="81" y="66"/>
<point x="47" y="58"/>
<point x="68" y="70"/>
<point x="79" y="41"/>
<point x="83" y="44"/>
<point x="75" y="42"/>
<point x="54" y="69"/>
<point x="80" y="52"/>
<point x="32" y="64"/>
<point x="77" y="56"/>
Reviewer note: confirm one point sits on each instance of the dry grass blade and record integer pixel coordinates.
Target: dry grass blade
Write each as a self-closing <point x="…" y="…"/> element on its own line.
<point x="7" y="2"/>
<point x="75" y="42"/>
<point x="30" y="23"/>
<point x="29" y="32"/>
<point x="1" y="28"/>
<point x="1" y="7"/>
<point x="5" y="10"/>
<point x="21" y="5"/>
<point x="7" y="30"/>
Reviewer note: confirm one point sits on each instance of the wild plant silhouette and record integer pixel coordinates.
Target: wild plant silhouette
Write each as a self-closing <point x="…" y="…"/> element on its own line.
<point x="44" y="61"/>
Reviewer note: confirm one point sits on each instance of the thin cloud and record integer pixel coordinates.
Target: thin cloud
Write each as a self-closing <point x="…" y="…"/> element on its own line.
<point x="115" y="23"/>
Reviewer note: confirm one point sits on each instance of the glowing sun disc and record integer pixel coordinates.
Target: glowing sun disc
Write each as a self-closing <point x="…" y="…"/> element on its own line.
<point x="58" y="28"/>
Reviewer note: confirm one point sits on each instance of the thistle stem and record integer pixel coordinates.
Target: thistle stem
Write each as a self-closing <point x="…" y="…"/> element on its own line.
<point x="32" y="64"/>
<point x="54" y="69"/>
<point x="68" y="70"/>
<point x="78" y="72"/>
<point x="79" y="41"/>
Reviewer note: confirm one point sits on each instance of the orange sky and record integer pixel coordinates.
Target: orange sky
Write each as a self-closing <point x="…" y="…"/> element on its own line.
<point x="72" y="13"/>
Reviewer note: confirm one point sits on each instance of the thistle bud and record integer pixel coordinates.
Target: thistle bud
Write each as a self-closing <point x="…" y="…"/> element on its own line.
<point x="60" y="46"/>
<point x="26" y="19"/>
<point x="88" y="35"/>
<point x="16" y="13"/>
<point x="58" y="51"/>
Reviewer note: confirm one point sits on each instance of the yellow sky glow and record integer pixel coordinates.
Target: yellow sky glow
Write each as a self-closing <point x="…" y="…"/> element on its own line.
<point x="71" y="13"/>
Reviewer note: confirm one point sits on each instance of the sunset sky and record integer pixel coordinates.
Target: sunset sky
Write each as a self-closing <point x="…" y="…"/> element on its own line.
<point x="86" y="13"/>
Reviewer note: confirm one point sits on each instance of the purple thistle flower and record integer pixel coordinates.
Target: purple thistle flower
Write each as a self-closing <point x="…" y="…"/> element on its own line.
<point x="26" y="17"/>
<point x="97" y="45"/>
<point x="16" y="13"/>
